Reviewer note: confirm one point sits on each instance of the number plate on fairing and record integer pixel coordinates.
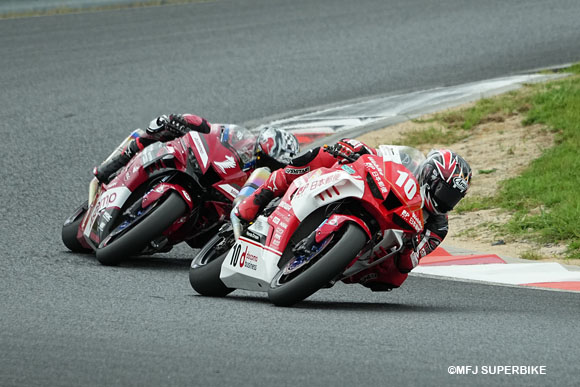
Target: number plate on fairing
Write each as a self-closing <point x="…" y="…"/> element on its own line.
<point x="249" y="264"/>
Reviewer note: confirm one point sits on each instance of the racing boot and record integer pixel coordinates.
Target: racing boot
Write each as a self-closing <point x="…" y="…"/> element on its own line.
<point x="275" y="186"/>
<point x="250" y="206"/>
<point x="108" y="168"/>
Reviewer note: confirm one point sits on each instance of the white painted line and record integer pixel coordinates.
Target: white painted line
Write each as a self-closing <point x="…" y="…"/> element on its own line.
<point x="514" y="274"/>
<point x="353" y="116"/>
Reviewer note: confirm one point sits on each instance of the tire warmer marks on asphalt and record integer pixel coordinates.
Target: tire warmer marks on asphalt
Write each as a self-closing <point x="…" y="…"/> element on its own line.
<point x="492" y="268"/>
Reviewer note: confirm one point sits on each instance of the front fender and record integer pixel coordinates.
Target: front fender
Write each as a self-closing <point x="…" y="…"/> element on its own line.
<point x="335" y="223"/>
<point x="160" y="191"/>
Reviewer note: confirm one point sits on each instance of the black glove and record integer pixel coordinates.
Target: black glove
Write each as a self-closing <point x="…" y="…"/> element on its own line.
<point x="342" y="153"/>
<point x="177" y="125"/>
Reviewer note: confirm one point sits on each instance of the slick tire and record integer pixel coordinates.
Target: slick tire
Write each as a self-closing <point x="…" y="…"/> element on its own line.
<point x="70" y="230"/>
<point x="332" y="262"/>
<point x="152" y="226"/>
<point x="204" y="274"/>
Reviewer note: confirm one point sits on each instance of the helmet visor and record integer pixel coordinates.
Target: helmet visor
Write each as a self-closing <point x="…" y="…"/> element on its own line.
<point x="446" y="197"/>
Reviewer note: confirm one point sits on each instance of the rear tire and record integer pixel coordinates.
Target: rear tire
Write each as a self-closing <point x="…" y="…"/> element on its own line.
<point x="152" y="226"/>
<point x="70" y="231"/>
<point x="287" y="292"/>
<point x="204" y="274"/>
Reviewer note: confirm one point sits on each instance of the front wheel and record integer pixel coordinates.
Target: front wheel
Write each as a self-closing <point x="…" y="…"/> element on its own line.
<point x="70" y="230"/>
<point x="137" y="238"/>
<point x="204" y="274"/>
<point x="291" y="286"/>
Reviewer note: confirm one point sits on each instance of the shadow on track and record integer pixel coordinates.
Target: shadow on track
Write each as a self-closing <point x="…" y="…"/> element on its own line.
<point x="138" y="262"/>
<point x="343" y="306"/>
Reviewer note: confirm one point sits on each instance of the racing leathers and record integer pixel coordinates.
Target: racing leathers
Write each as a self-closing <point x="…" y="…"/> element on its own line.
<point x="377" y="278"/>
<point x="163" y="128"/>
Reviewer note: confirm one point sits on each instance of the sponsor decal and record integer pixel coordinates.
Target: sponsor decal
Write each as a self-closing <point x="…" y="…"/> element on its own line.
<point x="252" y="235"/>
<point x="415" y="222"/>
<point x="297" y="171"/>
<point x="228" y="163"/>
<point x="460" y="183"/>
<point x="285" y="206"/>
<point x="348" y="170"/>
<point x="276" y="220"/>
<point x="229" y="189"/>
<point x="111" y="198"/>
<point x="244" y="259"/>
<point x="412" y="219"/>
<point x="325" y="180"/>
<point x="200" y="147"/>
<point x="381" y="184"/>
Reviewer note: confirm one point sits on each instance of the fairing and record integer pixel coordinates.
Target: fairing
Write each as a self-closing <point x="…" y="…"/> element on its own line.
<point x="382" y="185"/>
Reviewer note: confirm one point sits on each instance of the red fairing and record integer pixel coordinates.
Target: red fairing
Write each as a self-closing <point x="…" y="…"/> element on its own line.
<point x="174" y="158"/>
<point x="391" y="196"/>
<point x="160" y="191"/>
<point x="335" y="223"/>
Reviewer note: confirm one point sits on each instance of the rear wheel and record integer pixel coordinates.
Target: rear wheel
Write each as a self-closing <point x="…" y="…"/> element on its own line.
<point x="153" y="224"/>
<point x="70" y="230"/>
<point x="297" y="281"/>
<point x="204" y="274"/>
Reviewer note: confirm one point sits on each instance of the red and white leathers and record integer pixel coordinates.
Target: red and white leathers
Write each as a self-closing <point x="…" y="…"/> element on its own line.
<point x="377" y="278"/>
<point x="162" y="128"/>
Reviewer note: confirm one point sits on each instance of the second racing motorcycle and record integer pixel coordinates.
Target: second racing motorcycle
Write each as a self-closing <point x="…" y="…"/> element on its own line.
<point x="170" y="192"/>
<point x="331" y="224"/>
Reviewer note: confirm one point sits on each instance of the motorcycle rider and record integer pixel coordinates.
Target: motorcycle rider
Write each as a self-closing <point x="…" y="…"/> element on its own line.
<point x="443" y="176"/>
<point x="274" y="148"/>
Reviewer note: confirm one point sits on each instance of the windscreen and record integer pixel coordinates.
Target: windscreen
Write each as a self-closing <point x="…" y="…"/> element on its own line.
<point x="240" y="140"/>
<point x="411" y="158"/>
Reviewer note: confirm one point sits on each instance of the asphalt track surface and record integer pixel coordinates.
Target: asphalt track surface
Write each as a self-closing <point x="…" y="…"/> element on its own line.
<point x="72" y="86"/>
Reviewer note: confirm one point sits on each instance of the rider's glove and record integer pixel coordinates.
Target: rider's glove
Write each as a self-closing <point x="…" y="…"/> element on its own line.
<point x="177" y="125"/>
<point x="349" y="150"/>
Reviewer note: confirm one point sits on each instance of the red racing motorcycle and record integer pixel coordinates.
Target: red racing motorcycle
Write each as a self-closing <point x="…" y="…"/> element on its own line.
<point x="331" y="224"/>
<point x="180" y="190"/>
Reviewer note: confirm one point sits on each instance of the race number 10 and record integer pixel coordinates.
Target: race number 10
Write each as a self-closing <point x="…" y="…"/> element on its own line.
<point x="408" y="184"/>
<point x="236" y="256"/>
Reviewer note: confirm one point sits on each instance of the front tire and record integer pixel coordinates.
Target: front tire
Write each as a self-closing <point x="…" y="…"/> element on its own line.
<point x="70" y="230"/>
<point x="204" y="274"/>
<point x="152" y="226"/>
<point x="288" y="290"/>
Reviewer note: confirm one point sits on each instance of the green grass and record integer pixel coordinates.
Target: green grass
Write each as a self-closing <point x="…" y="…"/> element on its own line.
<point x="476" y="203"/>
<point x="545" y="198"/>
<point x="459" y="123"/>
<point x="552" y="182"/>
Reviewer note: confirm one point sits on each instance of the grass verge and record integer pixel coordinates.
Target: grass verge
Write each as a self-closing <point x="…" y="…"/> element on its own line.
<point x="544" y="198"/>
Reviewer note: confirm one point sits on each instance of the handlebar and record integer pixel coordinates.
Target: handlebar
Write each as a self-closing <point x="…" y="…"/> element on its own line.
<point x="337" y="153"/>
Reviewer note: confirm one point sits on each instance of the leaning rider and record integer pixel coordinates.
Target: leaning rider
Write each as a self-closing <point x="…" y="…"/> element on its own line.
<point x="437" y="178"/>
<point x="274" y="147"/>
